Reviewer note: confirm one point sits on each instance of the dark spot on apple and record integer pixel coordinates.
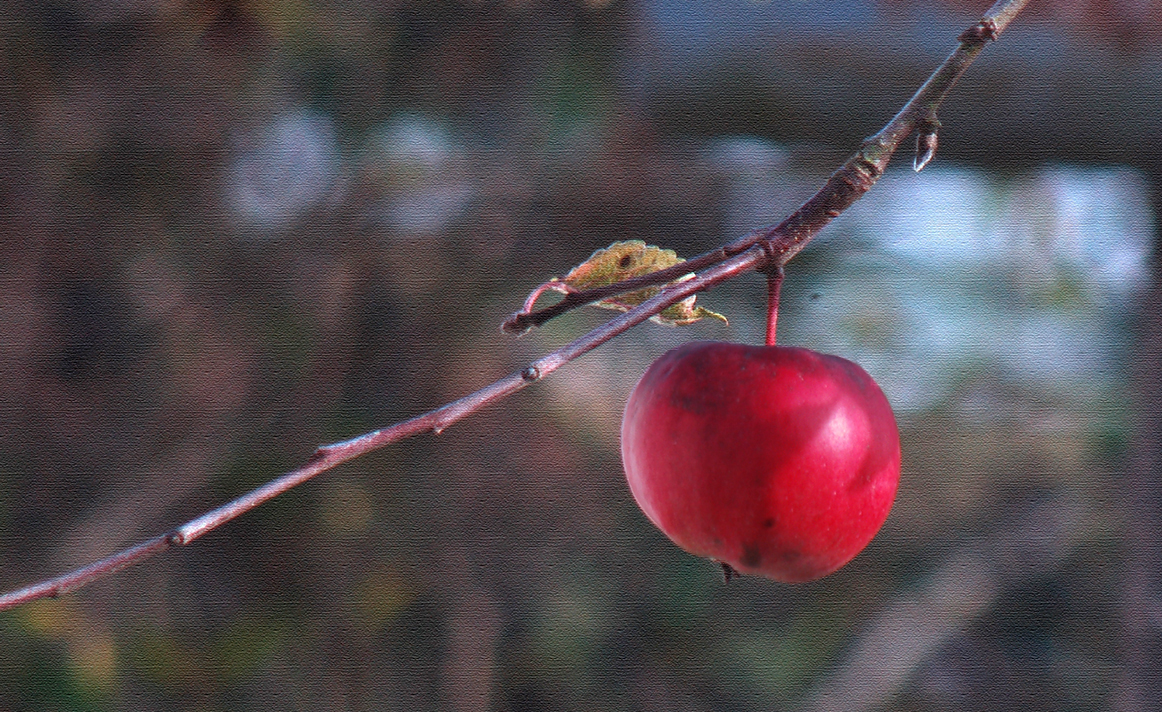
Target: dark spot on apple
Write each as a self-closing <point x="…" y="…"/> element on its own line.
<point x="751" y="557"/>
<point x="625" y="261"/>
<point x="791" y="556"/>
<point x="768" y="523"/>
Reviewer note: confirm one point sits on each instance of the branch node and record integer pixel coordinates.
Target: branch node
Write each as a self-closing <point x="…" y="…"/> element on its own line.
<point x="867" y="164"/>
<point x="531" y="374"/>
<point x="515" y="324"/>
<point x="319" y="453"/>
<point x="772" y="257"/>
<point x="872" y="169"/>
<point x="175" y="538"/>
<point x="980" y="33"/>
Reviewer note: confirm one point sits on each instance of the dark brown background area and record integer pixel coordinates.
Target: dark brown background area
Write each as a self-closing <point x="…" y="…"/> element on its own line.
<point x="166" y="345"/>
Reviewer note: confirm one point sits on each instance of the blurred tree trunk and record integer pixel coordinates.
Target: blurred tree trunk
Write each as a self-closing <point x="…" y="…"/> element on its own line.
<point x="1141" y="683"/>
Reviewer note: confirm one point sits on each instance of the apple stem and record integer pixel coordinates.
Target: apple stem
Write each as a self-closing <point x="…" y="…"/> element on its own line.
<point x="774" y="284"/>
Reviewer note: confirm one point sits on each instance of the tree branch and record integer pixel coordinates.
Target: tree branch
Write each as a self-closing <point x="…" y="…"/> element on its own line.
<point x="843" y="188"/>
<point x="767" y="248"/>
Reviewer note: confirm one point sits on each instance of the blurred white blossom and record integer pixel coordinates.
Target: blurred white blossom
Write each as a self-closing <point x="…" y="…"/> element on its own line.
<point x="286" y="168"/>
<point x="421" y="170"/>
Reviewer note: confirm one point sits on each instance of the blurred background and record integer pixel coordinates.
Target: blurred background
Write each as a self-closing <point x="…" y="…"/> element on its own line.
<point x="233" y="230"/>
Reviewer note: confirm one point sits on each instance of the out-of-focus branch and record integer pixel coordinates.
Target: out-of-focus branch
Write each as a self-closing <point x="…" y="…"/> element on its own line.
<point x="764" y="249"/>
<point x="1139" y="687"/>
<point x="896" y="642"/>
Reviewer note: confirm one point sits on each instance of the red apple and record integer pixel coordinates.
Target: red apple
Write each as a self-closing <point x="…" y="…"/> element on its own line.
<point x="776" y="461"/>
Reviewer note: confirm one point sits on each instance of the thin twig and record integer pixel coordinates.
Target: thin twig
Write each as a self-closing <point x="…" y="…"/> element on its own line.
<point x="762" y="249"/>
<point x="435" y="421"/>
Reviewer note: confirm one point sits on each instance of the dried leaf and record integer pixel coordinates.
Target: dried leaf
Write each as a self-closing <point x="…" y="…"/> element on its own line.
<point x="619" y="262"/>
<point x="626" y="260"/>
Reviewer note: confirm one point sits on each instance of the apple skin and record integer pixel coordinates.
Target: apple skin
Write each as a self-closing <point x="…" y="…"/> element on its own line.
<point x="778" y="461"/>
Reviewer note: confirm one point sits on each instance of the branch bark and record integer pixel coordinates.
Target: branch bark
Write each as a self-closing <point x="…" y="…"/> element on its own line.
<point x="764" y="249"/>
